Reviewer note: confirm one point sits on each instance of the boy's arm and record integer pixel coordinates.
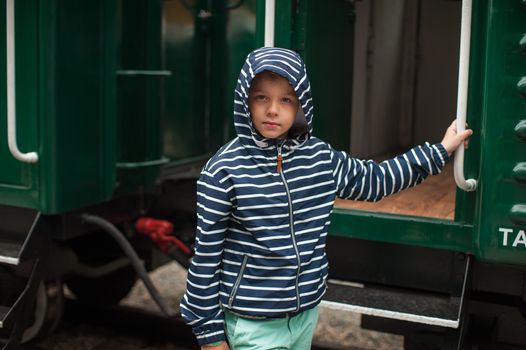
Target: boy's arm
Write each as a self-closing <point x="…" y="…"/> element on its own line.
<point x="200" y="305"/>
<point x="367" y="180"/>
<point x="370" y="181"/>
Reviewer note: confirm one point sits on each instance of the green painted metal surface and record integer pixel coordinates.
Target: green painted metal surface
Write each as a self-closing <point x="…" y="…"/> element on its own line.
<point x="140" y="79"/>
<point x="283" y="20"/>
<point x="417" y="231"/>
<point x="205" y="45"/>
<point x="330" y="70"/>
<point x="183" y="116"/>
<point x="76" y="91"/>
<point x="241" y="26"/>
<point x="260" y="23"/>
<point x="109" y="91"/>
<point x="499" y="234"/>
<point x="19" y="182"/>
<point x="64" y="94"/>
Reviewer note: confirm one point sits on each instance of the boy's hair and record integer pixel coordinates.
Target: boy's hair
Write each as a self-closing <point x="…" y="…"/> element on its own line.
<point x="268" y="74"/>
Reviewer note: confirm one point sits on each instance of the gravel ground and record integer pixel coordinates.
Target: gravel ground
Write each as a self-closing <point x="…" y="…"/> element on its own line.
<point x="340" y="329"/>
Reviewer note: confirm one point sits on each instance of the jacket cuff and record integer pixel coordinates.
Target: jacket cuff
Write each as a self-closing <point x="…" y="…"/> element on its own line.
<point x="208" y="334"/>
<point x="443" y="152"/>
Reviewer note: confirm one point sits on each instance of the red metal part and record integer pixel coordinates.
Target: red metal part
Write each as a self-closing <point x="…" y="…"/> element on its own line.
<point x="160" y="231"/>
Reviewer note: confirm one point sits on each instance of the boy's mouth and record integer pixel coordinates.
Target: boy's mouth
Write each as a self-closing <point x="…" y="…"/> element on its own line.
<point x="271" y="124"/>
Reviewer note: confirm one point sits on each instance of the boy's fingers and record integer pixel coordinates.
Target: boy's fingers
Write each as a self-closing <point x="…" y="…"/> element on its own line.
<point x="464" y="135"/>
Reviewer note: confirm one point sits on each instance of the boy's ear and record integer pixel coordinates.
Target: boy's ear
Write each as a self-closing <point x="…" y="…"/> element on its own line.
<point x="300" y="126"/>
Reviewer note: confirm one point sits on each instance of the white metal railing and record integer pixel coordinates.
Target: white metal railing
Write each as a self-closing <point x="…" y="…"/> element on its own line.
<point x="31" y="157"/>
<point x="462" y="96"/>
<point x="270" y="11"/>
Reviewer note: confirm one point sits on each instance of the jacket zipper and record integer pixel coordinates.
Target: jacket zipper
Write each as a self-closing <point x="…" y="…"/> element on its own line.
<point x="238" y="282"/>
<point x="291" y="223"/>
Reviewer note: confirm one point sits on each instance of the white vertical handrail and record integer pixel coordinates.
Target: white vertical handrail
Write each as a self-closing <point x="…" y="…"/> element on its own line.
<point x="31" y="157"/>
<point x="270" y="11"/>
<point x="462" y="96"/>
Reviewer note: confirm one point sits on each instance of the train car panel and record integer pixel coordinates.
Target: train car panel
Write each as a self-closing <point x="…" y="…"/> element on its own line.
<point x="69" y="44"/>
<point x="500" y="223"/>
<point x="139" y="77"/>
<point x="19" y="182"/>
<point x="76" y="103"/>
<point x="331" y="74"/>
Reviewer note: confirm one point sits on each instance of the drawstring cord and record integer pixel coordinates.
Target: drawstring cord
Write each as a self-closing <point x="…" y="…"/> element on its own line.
<point x="280" y="159"/>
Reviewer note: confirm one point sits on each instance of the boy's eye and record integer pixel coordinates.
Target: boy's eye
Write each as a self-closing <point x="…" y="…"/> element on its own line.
<point x="286" y="100"/>
<point x="260" y="97"/>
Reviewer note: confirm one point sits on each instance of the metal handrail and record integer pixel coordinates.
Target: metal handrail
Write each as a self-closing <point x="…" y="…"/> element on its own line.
<point x="462" y="96"/>
<point x="270" y="11"/>
<point x="31" y="157"/>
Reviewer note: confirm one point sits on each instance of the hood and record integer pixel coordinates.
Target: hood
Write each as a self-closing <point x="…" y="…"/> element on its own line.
<point x="289" y="65"/>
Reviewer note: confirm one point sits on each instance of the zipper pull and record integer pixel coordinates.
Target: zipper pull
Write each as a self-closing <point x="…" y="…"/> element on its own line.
<point x="280" y="160"/>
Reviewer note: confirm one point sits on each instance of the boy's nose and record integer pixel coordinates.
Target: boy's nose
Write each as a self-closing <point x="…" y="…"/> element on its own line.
<point x="272" y="108"/>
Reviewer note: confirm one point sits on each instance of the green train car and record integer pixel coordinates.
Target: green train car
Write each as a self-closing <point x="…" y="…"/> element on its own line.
<point x="111" y="109"/>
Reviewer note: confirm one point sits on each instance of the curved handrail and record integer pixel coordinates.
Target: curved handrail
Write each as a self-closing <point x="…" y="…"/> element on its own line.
<point x="270" y="11"/>
<point x="462" y="96"/>
<point x="31" y="157"/>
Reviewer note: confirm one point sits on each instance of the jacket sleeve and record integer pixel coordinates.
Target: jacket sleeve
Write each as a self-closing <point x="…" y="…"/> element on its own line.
<point x="367" y="180"/>
<point x="200" y="305"/>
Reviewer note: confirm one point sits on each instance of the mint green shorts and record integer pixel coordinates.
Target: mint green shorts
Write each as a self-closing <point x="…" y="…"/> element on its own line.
<point x="292" y="333"/>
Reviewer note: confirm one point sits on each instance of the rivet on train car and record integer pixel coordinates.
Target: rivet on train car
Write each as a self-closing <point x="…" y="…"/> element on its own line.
<point x="522" y="44"/>
<point x="518" y="214"/>
<point x="521" y="85"/>
<point x="520" y="130"/>
<point x="519" y="172"/>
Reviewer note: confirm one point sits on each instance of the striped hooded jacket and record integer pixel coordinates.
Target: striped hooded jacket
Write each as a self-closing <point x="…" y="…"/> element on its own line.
<point x="260" y="246"/>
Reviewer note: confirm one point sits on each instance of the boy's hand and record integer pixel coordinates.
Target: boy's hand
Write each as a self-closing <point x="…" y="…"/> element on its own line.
<point x="452" y="139"/>
<point x="222" y="346"/>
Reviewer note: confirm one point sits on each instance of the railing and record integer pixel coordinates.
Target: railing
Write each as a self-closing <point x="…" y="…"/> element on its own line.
<point x="31" y="157"/>
<point x="462" y="96"/>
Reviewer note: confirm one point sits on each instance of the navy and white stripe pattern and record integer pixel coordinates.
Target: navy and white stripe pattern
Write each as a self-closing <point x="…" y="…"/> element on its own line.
<point x="260" y="247"/>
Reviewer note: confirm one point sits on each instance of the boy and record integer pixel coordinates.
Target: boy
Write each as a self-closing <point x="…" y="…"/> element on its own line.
<point x="263" y="205"/>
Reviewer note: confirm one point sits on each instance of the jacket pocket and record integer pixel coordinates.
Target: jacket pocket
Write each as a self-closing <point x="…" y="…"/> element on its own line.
<point x="238" y="282"/>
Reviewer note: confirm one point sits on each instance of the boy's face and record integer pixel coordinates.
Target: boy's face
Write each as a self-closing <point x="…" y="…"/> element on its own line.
<point x="273" y="105"/>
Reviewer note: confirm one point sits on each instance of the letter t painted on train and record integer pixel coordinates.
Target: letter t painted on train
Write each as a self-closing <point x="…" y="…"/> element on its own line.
<point x="505" y="232"/>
